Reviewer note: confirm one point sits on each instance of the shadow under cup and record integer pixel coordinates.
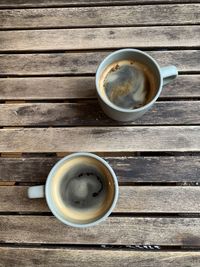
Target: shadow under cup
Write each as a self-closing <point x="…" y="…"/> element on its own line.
<point x="81" y="190"/>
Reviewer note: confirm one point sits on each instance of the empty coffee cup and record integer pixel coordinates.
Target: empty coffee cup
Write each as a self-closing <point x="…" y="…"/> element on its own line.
<point x="128" y="82"/>
<point x="81" y="190"/>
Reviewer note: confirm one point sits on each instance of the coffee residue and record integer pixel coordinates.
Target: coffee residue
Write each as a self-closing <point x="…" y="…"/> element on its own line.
<point x="127" y="86"/>
<point x="82" y="188"/>
<point x="116" y="67"/>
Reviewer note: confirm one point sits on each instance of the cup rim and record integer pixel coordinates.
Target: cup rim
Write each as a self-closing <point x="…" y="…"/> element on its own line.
<point x="48" y="197"/>
<point x="115" y="107"/>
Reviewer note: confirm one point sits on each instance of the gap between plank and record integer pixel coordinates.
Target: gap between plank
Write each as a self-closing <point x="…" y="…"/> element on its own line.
<point x="115" y="214"/>
<point x="118" y="3"/>
<point x="153" y="248"/>
<point x="97" y="27"/>
<point x="102" y="154"/>
<point x="88" y="50"/>
<point x="8" y="75"/>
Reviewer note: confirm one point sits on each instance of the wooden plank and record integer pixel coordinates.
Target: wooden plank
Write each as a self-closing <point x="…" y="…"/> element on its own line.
<point x="26" y="169"/>
<point x="89" y="113"/>
<point x="82" y="87"/>
<point x="158" y="199"/>
<point x="183" y="86"/>
<point x="56" y="3"/>
<point x="96" y="258"/>
<point x="66" y="88"/>
<point x="81" y="63"/>
<point x="11" y="155"/>
<point x="16" y="197"/>
<point x="100" y="16"/>
<point x="128" y="169"/>
<point x="132" y="199"/>
<point x="166" y="231"/>
<point x="5" y="183"/>
<point x="95" y="38"/>
<point x="101" y="139"/>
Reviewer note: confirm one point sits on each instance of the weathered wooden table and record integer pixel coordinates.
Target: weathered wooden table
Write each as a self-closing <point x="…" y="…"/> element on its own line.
<point x="49" y="54"/>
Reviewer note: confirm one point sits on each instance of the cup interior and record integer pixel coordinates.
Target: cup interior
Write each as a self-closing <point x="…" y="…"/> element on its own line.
<point x="81" y="189"/>
<point x="134" y="55"/>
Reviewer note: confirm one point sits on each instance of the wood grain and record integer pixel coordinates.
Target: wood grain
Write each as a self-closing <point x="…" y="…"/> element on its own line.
<point x="128" y="229"/>
<point x="44" y="88"/>
<point x="73" y="39"/>
<point x="3" y="183"/>
<point x="132" y="199"/>
<point x="82" y="87"/>
<point x="101" y="139"/>
<point x="166" y="231"/>
<point x="86" y="63"/>
<point x="128" y="169"/>
<point x="89" y="113"/>
<point x="56" y="3"/>
<point x="96" y="258"/>
<point x="100" y="16"/>
<point x="16" y="197"/>
<point x="158" y="199"/>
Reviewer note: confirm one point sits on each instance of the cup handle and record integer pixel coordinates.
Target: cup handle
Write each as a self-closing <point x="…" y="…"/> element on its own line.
<point x="36" y="191"/>
<point x="168" y="73"/>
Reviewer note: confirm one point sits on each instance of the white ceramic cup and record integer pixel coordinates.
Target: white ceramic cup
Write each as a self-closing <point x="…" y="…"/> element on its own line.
<point x="61" y="169"/>
<point x="163" y="75"/>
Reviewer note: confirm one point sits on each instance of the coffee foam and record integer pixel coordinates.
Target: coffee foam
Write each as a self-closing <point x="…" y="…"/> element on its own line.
<point x="124" y="94"/>
<point x="81" y="215"/>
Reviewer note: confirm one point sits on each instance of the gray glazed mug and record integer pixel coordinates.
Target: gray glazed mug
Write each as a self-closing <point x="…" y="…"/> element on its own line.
<point x="75" y="165"/>
<point x="163" y="76"/>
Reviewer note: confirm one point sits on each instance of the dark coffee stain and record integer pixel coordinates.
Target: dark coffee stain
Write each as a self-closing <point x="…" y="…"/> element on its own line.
<point x="91" y="15"/>
<point x="30" y="110"/>
<point x="91" y="36"/>
<point x="26" y="111"/>
<point x="171" y="35"/>
<point x="62" y="61"/>
<point x="58" y="117"/>
<point x="74" y="70"/>
<point x="97" y="131"/>
<point x="95" y="194"/>
<point x="183" y="141"/>
<point x="111" y="35"/>
<point x="33" y="16"/>
<point x="190" y="240"/>
<point x="36" y="261"/>
<point x="75" y="61"/>
<point x="93" y="62"/>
